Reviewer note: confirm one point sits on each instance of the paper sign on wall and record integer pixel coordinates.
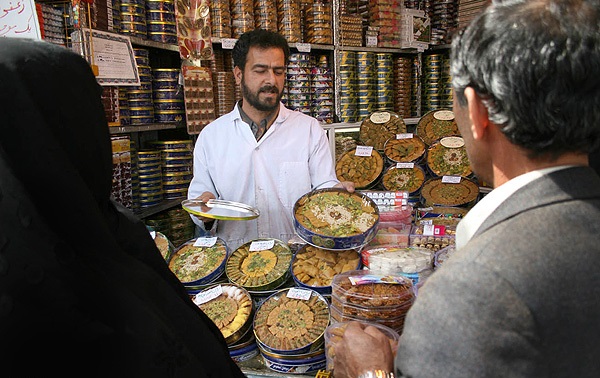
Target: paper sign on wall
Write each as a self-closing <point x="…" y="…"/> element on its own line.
<point x="18" y="19"/>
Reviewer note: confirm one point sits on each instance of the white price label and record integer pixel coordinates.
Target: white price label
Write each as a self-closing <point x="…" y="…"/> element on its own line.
<point x="371" y="41"/>
<point x="208" y="295"/>
<point x="444" y="115"/>
<point x="363" y="151"/>
<point x="261" y="245"/>
<point x="451" y="179"/>
<point x="405" y="165"/>
<point x="426" y="221"/>
<point x="205" y="242"/>
<point x="153" y="234"/>
<point x="303" y="47"/>
<point x="405" y="136"/>
<point x="380" y="117"/>
<point x="228" y="43"/>
<point x="296" y="293"/>
<point x="452" y="142"/>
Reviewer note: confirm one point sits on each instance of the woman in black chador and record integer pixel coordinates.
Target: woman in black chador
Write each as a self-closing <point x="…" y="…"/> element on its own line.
<point x="83" y="289"/>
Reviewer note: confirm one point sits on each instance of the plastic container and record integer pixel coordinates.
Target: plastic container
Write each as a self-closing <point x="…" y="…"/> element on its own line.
<point x="433" y="237"/>
<point x="335" y="332"/>
<point x="391" y="233"/>
<point x="442" y="255"/>
<point x="396" y="323"/>
<point x="369" y="288"/>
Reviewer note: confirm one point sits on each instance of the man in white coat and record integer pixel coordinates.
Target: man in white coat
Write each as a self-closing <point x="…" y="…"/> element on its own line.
<point x="261" y="153"/>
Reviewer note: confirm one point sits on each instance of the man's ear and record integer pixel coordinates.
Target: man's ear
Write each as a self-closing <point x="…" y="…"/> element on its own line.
<point x="477" y="112"/>
<point x="237" y="73"/>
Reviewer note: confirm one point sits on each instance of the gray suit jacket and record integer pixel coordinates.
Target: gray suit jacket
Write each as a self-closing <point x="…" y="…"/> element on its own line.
<point x="522" y="298"/>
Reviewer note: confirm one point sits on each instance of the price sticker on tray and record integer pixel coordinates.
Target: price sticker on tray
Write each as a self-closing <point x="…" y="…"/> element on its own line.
<point x="205" y="242"/>
<point x="208" y="295"/>
<point x="303" y="47"/>
<point x="405" y="165"/>
<point x="261" y="245"/>
<point x="451" y="179"/>
<point x="296" y="293"/>
<point x="153" y="234"/>
<point x="363" y="151"/>
<point x="405" y="136"/>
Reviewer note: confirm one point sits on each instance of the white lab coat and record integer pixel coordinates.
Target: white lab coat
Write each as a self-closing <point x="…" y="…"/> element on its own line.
<point x="291" y="159"/>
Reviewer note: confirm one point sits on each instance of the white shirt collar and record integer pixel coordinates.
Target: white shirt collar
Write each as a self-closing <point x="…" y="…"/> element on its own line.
<point x="486" y="206"/>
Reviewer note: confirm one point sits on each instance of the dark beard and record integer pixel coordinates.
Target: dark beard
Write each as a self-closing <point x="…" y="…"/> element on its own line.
<point x="253" y="99"/>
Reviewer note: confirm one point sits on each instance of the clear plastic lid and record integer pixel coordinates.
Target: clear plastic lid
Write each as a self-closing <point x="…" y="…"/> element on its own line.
<point x="395" y="260"/>
<point x="370" y="288"/>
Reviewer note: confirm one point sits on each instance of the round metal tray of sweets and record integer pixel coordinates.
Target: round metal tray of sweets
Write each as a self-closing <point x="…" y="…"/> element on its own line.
<point x="335" y="219"/>
<point x="437" y="124"/>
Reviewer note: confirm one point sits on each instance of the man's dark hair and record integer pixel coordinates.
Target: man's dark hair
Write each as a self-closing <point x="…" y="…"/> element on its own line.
<point x="258" y="38"/>
<point x="536" y="65"/>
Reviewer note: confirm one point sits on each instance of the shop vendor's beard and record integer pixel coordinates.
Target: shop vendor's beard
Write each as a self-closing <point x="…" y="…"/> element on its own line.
<point x="254" y="99"/>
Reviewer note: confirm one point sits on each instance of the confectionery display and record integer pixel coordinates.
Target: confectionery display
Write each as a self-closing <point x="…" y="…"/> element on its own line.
<point x="363" y="170"/>
<point x="316" y="267"/>
<point x="193" y="263"/>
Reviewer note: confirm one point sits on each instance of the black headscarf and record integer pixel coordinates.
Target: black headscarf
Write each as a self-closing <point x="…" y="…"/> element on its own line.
<point x="83" y="289"/>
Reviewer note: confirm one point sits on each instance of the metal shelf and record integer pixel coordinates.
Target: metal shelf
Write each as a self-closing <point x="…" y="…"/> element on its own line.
<point x="313" y="46"/>
<point x="377" y="49"/>
<point x="146" y="127"/>
<point x="156" y="45"/>
<point x="151" y="210"/>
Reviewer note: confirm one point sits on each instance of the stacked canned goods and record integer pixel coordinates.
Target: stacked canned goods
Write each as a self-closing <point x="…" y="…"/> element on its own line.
<point x="432" y="83"/>
<point x="176" y="158"/>
<point x="242" y="17"/>
<point x="385" y="82"/>
<point x="348" y="88"/>
<point x="224" y="88"/>
<point x="175" y="224"/>
<point x="124" y="115"/>
<point x="318" y="24"/>
<point x="265" y="14"/>
<point x="133" y="18"/>
<point x="444" y="17"/>
<point x="299" y="82"/>
<point x="169" y="105"/>
<point x="220" y="19"/>
<point x="366" y="69"/>
<point x="403" y="86"/>
<point x="446" y="93"/>
<point x="289" y="20"/>
<point x="141" y="105"/>
<point x="135" y="175"/>
<point x="351" y="30"/>
<point x="322" y="91"/>
<point x="150" y="178"/>
<point x="416" y="94"/>
<point x="160" y="21"/>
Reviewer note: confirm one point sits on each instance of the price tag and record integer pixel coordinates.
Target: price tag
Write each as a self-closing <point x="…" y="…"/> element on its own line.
<point x="371" y="41"/>
<point x="363" y="151"/>
<point x="452" y="142"/>
<point x="451" y="179"/>
<point x="228" y="43"/>
<point x="434" y="230"/>
<point x="405" y="165"/>
<point x="208" y="295"/>
<point x="205" y="242"/>
<point x="153" y="234"/>
<point x="444" y="115"/>
<point x="426" y="221"/>
<point x="303" y="47"/>
<point x="296" y="293"/>
<point x="405" y="136"/>
<point x="380" y="117"/>
<point x="261" y="245"/>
